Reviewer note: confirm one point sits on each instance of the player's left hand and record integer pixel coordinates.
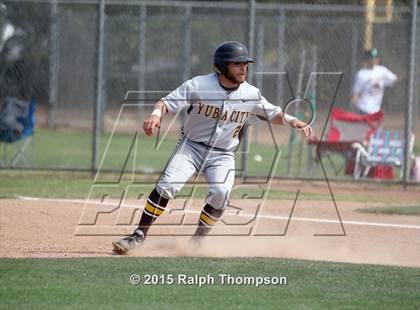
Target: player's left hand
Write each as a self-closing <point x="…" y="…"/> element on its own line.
<point x="306" y="128"/>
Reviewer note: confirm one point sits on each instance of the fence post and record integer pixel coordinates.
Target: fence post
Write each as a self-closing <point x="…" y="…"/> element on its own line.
<point x="411" y="86"/>
<point x="186" y="56"/>
<point x="54" y="63"/>
<point x="280" y="50"/>
<point x="104" y="89"/>
<point x="142" y="57"/>
<point x="299" y="91"/>
<point x="259" y="79"/>
<point x="99" y="83"/>
<point x="353" y="65"/>
<point x="251" y="36"/>
<point x="281" y="38"/>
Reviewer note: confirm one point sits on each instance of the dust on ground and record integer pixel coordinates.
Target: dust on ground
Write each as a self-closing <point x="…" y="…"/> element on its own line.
<point x="316" y="230"/>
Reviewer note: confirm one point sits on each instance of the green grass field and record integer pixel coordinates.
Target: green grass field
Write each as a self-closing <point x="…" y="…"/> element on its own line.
<point x="64" y="149"/>
<point x="77" y="185"/>
<point x="399" y="210"/>
<point x="103" y="283"/>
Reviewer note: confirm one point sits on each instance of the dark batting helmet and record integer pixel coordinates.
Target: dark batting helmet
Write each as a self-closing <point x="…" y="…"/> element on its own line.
<point x="230" y="51"/>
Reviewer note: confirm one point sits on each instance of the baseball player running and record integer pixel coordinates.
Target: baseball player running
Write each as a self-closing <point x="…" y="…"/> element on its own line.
<point x="217" y="106"/>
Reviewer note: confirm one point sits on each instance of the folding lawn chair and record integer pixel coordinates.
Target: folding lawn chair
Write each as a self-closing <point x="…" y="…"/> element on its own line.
<point x="17" y="128"/>
<point x="385" y="148"/>
<point x="345" y="128"/>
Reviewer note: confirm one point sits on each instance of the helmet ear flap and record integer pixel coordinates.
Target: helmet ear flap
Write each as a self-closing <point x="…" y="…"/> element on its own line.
<point x="220" y="67"/>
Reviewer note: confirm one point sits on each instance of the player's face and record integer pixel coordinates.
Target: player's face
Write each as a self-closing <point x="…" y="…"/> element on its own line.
<point x="237" y="71"/>
<point x="370" y="62"/>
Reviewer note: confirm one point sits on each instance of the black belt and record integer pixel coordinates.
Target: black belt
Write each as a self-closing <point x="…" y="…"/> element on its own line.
<point x="212" y="147"/>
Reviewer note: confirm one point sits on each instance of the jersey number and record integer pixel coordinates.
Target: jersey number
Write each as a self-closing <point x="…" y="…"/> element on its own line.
<point x="236" y="131"/>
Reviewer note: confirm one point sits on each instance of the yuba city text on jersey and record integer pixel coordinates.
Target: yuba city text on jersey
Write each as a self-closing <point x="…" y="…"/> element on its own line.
<point x="214" y="112"/>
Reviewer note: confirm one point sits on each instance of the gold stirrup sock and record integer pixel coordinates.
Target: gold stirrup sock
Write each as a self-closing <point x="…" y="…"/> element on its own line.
<point x="208" y="218"/>
<point x="155" y="206"/>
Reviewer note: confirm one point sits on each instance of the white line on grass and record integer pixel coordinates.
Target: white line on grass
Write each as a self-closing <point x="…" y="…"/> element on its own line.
<point x="302" y="219"/>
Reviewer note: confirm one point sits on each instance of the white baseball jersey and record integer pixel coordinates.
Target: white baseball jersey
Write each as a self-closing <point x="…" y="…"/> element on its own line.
<point x="370" y="84"/>
<point x="215" y="115"/>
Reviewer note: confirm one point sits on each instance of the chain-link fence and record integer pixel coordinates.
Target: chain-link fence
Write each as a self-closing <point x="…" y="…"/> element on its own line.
<point x="85" y="61"/>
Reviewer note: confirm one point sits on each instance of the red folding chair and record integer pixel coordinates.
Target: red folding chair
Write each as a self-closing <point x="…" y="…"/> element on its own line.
<point x="345" y="128"/>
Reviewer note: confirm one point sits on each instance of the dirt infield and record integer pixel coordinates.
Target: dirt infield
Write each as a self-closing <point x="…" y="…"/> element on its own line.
<point x="51" y="228"/>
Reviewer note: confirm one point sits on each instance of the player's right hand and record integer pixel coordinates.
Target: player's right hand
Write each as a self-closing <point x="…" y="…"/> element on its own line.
<point x="150" y="123"/>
